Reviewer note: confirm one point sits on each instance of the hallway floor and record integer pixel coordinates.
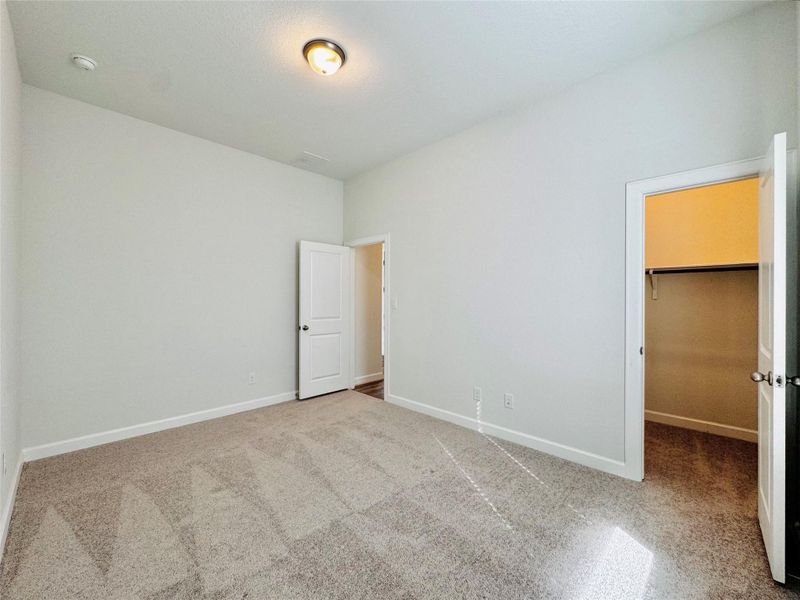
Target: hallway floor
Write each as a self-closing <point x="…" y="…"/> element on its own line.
<point x="374" y="389"/>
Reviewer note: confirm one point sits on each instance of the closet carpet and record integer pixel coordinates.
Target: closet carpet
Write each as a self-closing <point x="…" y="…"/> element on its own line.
<point x="346" y="496"/>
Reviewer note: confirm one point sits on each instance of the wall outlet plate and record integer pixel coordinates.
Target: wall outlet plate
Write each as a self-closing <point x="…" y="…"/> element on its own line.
<point x="252" y="379"/>
<point x="476" y="394"/>
<point x="508" y="400"/>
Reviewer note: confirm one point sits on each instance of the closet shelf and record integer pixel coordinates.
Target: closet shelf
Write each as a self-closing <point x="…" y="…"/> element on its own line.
<point x="702" y="269"/>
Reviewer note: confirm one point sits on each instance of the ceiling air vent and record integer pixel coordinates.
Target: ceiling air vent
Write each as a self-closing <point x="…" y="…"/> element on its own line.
<point x="309" y="158"/>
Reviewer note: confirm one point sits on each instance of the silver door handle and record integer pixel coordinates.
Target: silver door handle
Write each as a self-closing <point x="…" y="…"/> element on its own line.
<point x="794" y="380"/>
<point x="758" y="377"/>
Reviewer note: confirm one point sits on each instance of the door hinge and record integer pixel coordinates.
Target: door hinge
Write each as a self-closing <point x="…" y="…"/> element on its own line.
<point x="641" y="350"/>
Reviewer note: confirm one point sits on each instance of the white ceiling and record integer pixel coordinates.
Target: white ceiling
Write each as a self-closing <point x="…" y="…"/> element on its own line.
<point x="233" y="72"/>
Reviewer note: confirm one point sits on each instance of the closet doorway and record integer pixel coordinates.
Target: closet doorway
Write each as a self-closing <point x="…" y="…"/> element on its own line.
<point x="699" y="460"/>
<point x="701" y="313"/>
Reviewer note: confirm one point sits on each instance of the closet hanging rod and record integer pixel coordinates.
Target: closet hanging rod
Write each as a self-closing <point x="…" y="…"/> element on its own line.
<point x="709" y="269"/>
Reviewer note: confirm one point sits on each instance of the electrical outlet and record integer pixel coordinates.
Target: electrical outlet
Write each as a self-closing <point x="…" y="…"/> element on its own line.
<point x="476" y="394"/>
<point x="252" y="379"/>
<point x="4" y="464"/>
<point x="508" y="400"/>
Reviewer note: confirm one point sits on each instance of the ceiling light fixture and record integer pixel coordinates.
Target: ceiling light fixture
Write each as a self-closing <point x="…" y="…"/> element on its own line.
<point x="84" y="62"/>
<point x="323" y="56"/>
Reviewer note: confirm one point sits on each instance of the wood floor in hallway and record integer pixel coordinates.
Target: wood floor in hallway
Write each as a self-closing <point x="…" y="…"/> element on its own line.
<point x="374" y="389"/>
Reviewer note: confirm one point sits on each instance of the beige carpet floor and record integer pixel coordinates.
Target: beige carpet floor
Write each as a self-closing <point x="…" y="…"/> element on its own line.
<point x="346" y="496"/>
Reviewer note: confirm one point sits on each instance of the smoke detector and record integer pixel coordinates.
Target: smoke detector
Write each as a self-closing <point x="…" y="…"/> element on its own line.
<point x="84" y="62"/>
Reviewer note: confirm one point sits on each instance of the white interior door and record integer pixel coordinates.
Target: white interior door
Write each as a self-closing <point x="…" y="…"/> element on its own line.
<point x="324" y="313"/>
<point x="771" y="373"/>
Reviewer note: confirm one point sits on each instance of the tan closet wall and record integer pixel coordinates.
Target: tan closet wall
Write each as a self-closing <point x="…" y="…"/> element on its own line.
<point x="701" y="332"/>
<point x="368" y="313"/>
<point x="706" y="226"/>
<point x="701" y="337"/>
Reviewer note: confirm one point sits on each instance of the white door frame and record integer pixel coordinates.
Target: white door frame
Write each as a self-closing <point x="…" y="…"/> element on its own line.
<point x="635" y="194"/>
<point x="387" y="306"/>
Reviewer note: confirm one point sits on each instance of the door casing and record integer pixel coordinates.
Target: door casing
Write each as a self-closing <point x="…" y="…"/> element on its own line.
<point x="635" y="194"/>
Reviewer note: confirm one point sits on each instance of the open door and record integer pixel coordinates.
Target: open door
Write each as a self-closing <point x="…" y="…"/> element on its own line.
<point x="771" y="374"/>
<point x="324" y="313"/>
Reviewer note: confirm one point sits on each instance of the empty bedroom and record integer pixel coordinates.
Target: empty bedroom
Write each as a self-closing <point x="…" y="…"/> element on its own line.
<point x="430" y="300"/>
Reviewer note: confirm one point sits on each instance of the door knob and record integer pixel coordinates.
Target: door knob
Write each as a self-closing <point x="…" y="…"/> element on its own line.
<point x="304" y="328"/>
<point x="794" y="380"/>
<point x="758" y="377"/>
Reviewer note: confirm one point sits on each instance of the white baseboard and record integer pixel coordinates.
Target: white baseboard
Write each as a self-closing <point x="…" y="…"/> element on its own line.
<point x="361" y="379"/>
<point x="114" y="435"/>
<point x="740" y="433"/>
<point x="582" y="457"/>
<point x="8" y="509"/>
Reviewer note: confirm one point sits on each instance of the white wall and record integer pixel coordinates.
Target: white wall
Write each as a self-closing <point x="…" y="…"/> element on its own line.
<point x="508" y="240"/>
<point x="10" y="146"/>
<point x="368" y="310"/>
<point x="157" y="269"/>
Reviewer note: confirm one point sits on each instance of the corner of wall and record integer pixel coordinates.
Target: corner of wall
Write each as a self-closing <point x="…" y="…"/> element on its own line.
<point x="7" y="509"/>
<point x="10" y="176"/>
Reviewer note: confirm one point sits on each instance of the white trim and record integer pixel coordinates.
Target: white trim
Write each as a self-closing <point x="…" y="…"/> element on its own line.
<point x="576" y="455"/>
<point x="635" y="193"/>
<point x="361" y="379"/>
<point x="8" y="509"/>
<point x="731" y="431"/>
<point x="123" y="433"/>
<point x="368" y="241"/>
<point x="383" y="238"/>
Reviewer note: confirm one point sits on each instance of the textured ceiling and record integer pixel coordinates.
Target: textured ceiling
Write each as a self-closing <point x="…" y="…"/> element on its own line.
<point x="232" y="72"/>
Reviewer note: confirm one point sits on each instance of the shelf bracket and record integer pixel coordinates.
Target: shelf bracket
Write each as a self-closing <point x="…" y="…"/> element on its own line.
<point x="654" y="284"/>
